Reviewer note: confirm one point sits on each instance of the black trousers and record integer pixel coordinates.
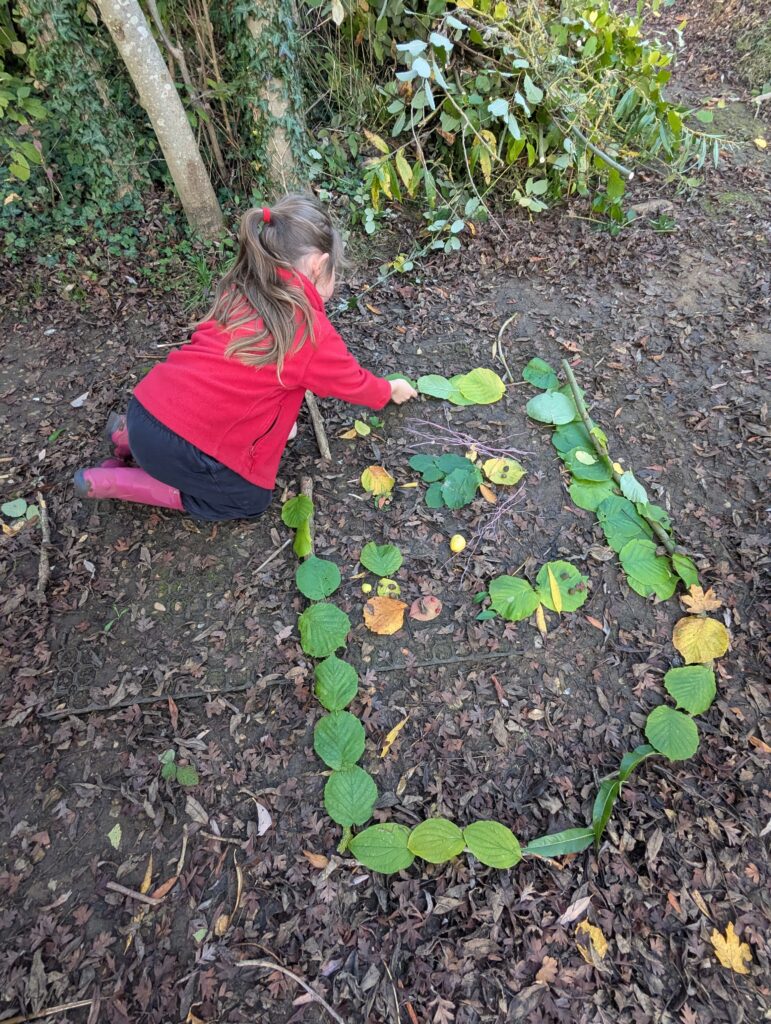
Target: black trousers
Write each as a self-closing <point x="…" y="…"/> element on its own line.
<point x="209" y="490"/>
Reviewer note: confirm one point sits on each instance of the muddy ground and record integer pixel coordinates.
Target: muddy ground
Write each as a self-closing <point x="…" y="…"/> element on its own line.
<point x="157" y="632"/>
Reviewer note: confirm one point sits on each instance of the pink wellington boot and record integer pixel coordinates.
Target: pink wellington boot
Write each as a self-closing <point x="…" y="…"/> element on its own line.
<point x="126" y="484"/>
<point x="117" y="434"/>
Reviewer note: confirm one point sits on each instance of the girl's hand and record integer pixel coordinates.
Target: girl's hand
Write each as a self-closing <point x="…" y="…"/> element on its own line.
<point x="402" y="391"/>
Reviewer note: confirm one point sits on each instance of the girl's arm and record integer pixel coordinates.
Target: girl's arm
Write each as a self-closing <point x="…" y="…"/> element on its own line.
<point x="332" y="372"/>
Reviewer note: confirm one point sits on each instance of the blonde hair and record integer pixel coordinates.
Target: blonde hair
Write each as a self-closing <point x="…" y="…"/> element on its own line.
<point x="269" y="241"/>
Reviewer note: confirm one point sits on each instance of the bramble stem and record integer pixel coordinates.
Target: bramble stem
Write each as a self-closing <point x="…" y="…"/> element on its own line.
<point x="342" y="846"/>
<point x="602" y="450"/>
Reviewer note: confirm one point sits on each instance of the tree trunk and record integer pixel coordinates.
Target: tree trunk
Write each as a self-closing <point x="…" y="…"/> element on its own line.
<point x="157" y="94"/>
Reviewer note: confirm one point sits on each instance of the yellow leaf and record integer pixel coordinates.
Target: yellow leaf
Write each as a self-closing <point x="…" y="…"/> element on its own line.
<point x="554" y="590"/>
<point x="730" y="951"/>
<point x="348" y="435"/>
<point x="698" y="601"/>
<point x="598" y="941"/>
<point x="700" y="640"/>
<point x="501" y="11"/>
<point x="384" y="615"/>
<point x="472" y="455"/>
<point x="362" y="428"/>
<point x="540" y="620"/>
<point x="377" y="480"/>
<point x="403" y="169"/>
<point x="147" y="881"/>
<point x="221" y="925"/>
<point x="585" y="458"/>
<point x="488" y="494"/>
<point x="486" y="165"/>
<point x="503" y="471"/>
<point x="388" y="588"/>
<point x="10" y="198"/>
<point x="618" y="467"/>
<point x="377" y="142"/>
<point x="389" y="740"/>
<point x="338" y="12"/>
<point x="761" y="143"/>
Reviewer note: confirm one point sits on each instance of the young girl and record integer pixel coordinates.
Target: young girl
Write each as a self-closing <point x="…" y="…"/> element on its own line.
<point x="207" y="427"/>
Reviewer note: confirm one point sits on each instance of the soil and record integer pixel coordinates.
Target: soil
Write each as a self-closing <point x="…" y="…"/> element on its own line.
<point x="169" y="630"/>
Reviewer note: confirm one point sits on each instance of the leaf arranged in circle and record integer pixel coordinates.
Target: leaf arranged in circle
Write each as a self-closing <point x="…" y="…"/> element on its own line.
<point x="481" y="386"/>
<point x="377" y="480"/>
<point x="436" y="840"/>
<point x="428" y="468"/>
<point x="337" y="683"/>
<point x="596" y="470"/>
<point x="632" y="488"/>
<point x="382" y="559"/>
<point x="493" y="844"/>
<point x="685" y="569"/>
<point x="590" y="495"/>
<point x="551" y="407"/>
<point x="697" y="601"/>
<point x="338" y="739"/>
<point x="323" y="628"/>
<point x="383" y="848"/>
<point x="558" y="844"/>
<point x="672" y="733"/>
<point x="700" y="640"/>
<point x="434" y="496"/>
<point x="317" y="578"/>
<point x="460" y="486"/>
<point x="434" y="385"/>
<point x="296" y="511"/>
<point x="503" y="471"/>
<point x="572" y="435"/>
<point x="303" y="545"/>
<point x="647" y="572"/>
<point x="513" y="598"/>
<point x="540" y="375"/>
<point x="621" y="523"/>
<point x="350" y="795"/>
<point x="570" y="584"/>
<point x="691" y="687"/>
<point x="384" y="615"/>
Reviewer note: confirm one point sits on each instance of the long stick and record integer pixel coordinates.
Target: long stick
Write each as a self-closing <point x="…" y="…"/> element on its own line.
<point x="22" y="1018"/>
<point x="602" y="451"/>
<point x="44" y="566"/>
<point x="318" y="425"/>
<point x="306" y="488"/>
<point x="270" y="966"/>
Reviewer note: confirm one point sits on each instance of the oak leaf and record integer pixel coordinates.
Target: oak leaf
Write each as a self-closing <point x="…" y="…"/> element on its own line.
<point x="697" y="600"/>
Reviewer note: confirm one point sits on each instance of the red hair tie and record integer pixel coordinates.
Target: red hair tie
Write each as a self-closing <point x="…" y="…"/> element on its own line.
<point x="265" y="215"/>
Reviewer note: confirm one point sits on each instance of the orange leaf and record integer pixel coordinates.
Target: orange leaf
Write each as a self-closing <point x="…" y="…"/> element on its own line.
<point x="384" y="615"/>
<point x="697" y="600"/>
<point x="425" y="608"/>
<point x="594" y="622"/>
<point x="147" y="881"/>
<point x="488" y="494"/>
<point x="316" y="860"/>
<point x="165" y="888"/>
<point x="348" y="435"/>
<point x="757" y="742"/>
<point x="377" y="480"/>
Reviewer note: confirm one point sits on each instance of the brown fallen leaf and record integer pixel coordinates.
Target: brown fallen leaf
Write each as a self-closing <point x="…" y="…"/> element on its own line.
<point x="595" y="622"/>
<point x="488" y="493"/>
<point x="730" y="951"/>
<point x="384" y="615"/>
<point x="316" y="860"/>
<point x="425" y="608"/>
<point x="760" y="744"/>
<point x="696" y="600"/>
<point x="164" y="888"/>
<point x="548" y="971"/>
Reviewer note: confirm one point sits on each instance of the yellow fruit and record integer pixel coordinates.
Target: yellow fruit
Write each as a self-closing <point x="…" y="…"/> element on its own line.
<point x="366" y="588"/>
<point x="457" y="543"/>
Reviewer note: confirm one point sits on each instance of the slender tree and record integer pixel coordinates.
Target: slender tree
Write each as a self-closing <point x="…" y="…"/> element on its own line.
<point x="157" y="94"/>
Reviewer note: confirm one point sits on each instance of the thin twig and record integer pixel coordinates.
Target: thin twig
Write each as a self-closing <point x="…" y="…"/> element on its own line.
<point x="602" y="451"/>
<point x="22" y="1018"/>
<point x="498" y="346"/>
<point x="142" y="897"/>
<point x="318" y="425"/>
<point x="270" y="966"/>
<point x="131" y="701"/>
<point x="44" y="566"/>
<point x="275" y="554"/>
<point x="456" y="659"/>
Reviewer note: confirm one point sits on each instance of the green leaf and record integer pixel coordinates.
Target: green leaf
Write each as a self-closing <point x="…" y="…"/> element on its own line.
<point x="540" y="375"/>
<point x="187" y="775"/>
<point x="532" y="91"/>
<point x="115" y="835"/>
<point x="685" y="569"/>
<point x="621" y="523"/>
<point x="337" y="683"/>
<point x="492" y="844"/>
<point x="168" y="770"/>
<point x="632" y="758"/>
<point x="590" y="496"/>
<point x="584" y="465"/>
<point x="692" y="687"/>
<point x="572" y="840"/>
<point x="572" y="585"/>
<point x="551" y="407"/>
<point x="447" y="463"/>
<point x="296" y="511"/>
<point x="303" y="545"/>
<point x="603" y="806"/>
<point x="436" y="840"/>
<point x="632" y="488"/>
<point x="14" y="509"/>
<point x="323" y="628"/>
<point x="427" y="466"/>
<point x="460" y="486"/>
<point x="647" y="572"/>
<point x="455" y="396"/>
<point x="615" y="186"/>
<point x="383" y="848"/>
<point x="434" y="496"/>
<point x="338" y="739"/>
<point x="434" y="385"/>
<point x="317" y="578"/>
<point x="350" y="795"/>
<point x="513" y="598"/>
<point x="672" y="733"/>
<point x="656" y="513"/>
<point x="382" y="559"/>
<point x="481" y="386"/>
<point x="570" y="436"/>
<point x="705" y="116"/>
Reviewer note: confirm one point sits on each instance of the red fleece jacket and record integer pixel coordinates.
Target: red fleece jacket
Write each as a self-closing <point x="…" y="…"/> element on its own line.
<point x="242" y="415"/>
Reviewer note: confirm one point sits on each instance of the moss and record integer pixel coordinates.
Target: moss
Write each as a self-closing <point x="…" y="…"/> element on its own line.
<point x="754" y="49"/>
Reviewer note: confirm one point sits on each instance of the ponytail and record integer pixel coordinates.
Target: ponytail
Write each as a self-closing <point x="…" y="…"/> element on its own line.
<point x="270" y="241"/>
